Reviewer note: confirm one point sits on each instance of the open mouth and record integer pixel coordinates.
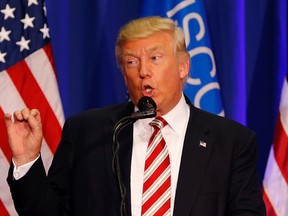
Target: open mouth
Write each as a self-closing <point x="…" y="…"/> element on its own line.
<point x="147" y="90"/>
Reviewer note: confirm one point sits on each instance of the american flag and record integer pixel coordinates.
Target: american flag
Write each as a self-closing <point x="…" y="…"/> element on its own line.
<point x="27" y="79"/>
<point x="275" y="183"/>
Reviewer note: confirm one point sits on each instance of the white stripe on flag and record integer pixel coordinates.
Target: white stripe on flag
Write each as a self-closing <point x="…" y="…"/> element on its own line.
<point x="10" y="99"/>
<point x="275" y="186"/>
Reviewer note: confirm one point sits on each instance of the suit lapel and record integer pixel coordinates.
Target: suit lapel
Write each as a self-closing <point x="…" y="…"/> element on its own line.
<point x="195" y="156"/>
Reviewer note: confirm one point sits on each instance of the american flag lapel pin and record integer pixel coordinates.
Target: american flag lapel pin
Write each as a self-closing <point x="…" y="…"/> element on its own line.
<point x="203" y="144"/>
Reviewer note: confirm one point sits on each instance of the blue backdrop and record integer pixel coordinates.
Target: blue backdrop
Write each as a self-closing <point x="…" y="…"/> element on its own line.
<point x="249" y="40"/>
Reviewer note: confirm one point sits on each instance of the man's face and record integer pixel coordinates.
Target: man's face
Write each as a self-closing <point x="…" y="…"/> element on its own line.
<point x="150" y="68"/>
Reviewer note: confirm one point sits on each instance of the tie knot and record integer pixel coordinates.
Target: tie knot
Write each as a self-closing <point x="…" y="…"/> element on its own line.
<point x="158" y="122"/>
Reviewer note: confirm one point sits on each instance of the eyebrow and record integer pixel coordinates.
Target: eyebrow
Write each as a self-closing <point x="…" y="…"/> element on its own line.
<point x="152" y="49"/>
<point x="128" y="53"/>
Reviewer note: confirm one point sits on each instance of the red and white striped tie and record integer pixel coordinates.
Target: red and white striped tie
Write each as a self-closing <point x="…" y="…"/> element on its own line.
<point x="156" y="197"/>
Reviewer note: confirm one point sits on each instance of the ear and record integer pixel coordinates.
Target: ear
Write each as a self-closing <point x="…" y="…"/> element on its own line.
<point x="184" y="67"/>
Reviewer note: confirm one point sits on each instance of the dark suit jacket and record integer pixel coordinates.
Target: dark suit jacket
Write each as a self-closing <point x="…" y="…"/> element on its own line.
<point x="219" y="179"/>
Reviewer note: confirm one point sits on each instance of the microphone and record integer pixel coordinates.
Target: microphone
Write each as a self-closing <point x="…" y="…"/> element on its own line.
<point x="146" y="103"/>
<point x="147" y="109"/>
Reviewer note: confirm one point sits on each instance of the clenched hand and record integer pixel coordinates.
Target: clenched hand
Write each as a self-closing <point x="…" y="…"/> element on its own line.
<point x="24" y="135"/>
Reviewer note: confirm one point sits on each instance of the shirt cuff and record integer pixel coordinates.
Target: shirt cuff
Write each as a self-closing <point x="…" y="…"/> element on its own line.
<point x="19" y="172"/>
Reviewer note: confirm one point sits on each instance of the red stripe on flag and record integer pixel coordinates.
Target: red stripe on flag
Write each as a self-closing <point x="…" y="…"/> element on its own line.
<point x="4" y="138"/>
<point x="34" y="98"/>
<point x="269" y="209"/>
<point x="280" y="146"/>
<point x="3" y="210"/>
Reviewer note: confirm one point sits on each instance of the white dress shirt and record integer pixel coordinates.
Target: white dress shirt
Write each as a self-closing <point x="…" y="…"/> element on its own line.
<point x="19" y="172"/>
<point x="174" y="134"/>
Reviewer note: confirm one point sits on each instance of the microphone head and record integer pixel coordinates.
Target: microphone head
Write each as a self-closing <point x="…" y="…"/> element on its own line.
<point x="146" y="104"/>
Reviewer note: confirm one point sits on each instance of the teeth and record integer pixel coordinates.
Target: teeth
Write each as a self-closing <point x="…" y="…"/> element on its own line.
<point x="148" y="90"/>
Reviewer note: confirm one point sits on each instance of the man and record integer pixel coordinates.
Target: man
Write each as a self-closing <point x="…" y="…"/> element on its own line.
<point x="212" y="160"/>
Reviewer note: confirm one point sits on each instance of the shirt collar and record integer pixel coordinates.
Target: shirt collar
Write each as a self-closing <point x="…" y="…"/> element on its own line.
<point x="175" y="118"/>
<point x="178" y="115"/>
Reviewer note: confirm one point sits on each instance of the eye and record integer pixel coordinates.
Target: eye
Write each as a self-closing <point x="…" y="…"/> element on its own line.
<point x="131" y="62"/>
<point x="156" y="58"/>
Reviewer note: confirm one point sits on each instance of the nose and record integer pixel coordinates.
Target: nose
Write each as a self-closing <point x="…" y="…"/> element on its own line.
<point x="144" y="69"/>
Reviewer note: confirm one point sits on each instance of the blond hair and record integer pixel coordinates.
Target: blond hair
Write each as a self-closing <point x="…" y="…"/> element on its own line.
<point x="147" y="26"/>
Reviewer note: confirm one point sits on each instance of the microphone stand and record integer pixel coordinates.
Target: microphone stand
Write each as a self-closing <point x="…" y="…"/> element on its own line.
<point x="119" y="126"/>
